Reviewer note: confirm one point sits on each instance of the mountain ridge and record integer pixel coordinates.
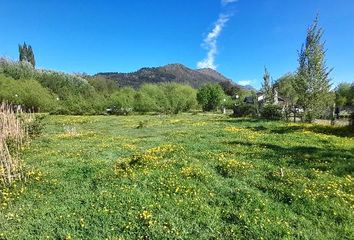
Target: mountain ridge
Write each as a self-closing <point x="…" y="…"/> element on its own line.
<point x="176" y="72"/>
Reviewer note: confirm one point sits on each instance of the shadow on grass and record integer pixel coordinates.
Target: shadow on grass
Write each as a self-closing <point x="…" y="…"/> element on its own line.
<point x="242" y="120"/>
<point x="343" y="131"/>
<point x="337" y="161"/>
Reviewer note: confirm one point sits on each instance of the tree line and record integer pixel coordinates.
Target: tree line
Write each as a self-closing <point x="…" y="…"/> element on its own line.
<point x="307" y="91"/>
<point x="60" y="93"/>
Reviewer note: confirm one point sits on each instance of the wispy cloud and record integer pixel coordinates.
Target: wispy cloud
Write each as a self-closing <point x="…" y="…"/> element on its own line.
<point x="210" y="43"/>
<point x="225" y="2"/>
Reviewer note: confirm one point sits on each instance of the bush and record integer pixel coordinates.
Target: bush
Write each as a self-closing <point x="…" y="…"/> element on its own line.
<point x="210" y="96"/>
<point x="245" y="110"/>
<point x="122" y="102"/>
<point x="36" y="126"/>
<point x="28" y="93"/>
<point x="181" y="98"/>
<point x="271" y="112"/>
<point x="165" y="98"/>
<point x="40" y="88"/>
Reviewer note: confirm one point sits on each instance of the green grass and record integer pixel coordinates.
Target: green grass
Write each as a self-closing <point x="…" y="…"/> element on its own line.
<point x="182" y="177"/>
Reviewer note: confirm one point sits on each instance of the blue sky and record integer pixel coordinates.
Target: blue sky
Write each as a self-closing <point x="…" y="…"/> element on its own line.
<point x="241" y="36"/>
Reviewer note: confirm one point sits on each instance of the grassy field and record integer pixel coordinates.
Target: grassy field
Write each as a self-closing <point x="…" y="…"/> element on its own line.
<point x="182" y="177"/>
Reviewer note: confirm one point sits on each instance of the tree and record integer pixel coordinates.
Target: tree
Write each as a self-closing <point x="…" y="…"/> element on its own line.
<point x="267" y="88"/>
<point x="285" y="87"/>
<point x="229" y="88"/>
<point x="30" y="56"/>
<point x="181" y="98"/>
<point x="26" y="54"/>
<point x="210" y="96"/>
<point x="103" y="85"/>
<point x="345" y="94"/>
<point x="312" y="79"/>
<point x="22" y="49"/>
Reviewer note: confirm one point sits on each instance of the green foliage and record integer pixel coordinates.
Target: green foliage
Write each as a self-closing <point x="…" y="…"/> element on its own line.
<point x="285" y="88"/>
<point x="180" y="98"/>
<point x="103" y="85"/>
<point x="345" y="94"/>
<point x="161" y="98"/>
<point x="28" y="93"/>
<point x="271" y="112"/>
<point x="75" y="95"/>
<point x="26" y="54"/>
<point x="17" y="70"/>
<point x="150" y="98"/>
<point x="165" y="98"/>
<point x="267" y="88"/>
<point x="229" y="102"/>
<point x="35" y="127"/>
<point x="229" y="88"/>
<point x="210" y="97"/>
<point x="123" y="101"/>
<point x="245" y="110"/>
<point x="312" y="81"/>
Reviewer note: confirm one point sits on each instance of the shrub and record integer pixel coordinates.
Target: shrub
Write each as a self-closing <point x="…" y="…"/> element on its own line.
<point x="181" y="98"/>
<point x="245" y="110"/>
<point x="165" y="98"/>
<point x="76" y="95"/>
<point x="210" y="96"/>
<point x="28" y="93"/>
<point x="122" y="102"/>
<point x="17" y="70"/>
<point x="35" y="127"/>
<point x="271" y="112"/>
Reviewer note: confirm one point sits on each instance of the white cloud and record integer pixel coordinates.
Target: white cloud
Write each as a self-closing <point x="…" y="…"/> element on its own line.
<point x="210" y="42"/>
<point x="225" y="2"/>
<point x="245" y="82"/>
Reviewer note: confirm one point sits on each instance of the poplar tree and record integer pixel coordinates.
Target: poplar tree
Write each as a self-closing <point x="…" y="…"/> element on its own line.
<point x="267" y="87"/>
<point x="30" y="56"/>
<point x="312" y="82"/>
<point x="26" y="54"/>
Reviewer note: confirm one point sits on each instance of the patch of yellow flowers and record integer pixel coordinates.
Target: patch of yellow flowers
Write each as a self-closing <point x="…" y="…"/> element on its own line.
<point x="150" y="157"/>
<point x="244" y="132"/>
<point x="192" y="172"/>
<point x="147" y="218"/>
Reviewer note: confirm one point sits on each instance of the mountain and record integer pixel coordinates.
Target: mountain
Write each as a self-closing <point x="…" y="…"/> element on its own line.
<point x="214" y="74"/>
<point x="249" y="87"/>
<point x="177" y="73"/>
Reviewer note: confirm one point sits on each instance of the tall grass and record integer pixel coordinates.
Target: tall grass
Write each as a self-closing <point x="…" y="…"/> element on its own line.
<point x="13" y="135"/>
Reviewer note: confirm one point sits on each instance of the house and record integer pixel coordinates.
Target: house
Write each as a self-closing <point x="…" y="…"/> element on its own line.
<point x="278" y="100"/>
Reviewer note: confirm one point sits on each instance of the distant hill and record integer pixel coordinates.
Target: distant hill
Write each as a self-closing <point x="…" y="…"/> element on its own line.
<point x="177" y="73"/>
<point x="249" y="87"/>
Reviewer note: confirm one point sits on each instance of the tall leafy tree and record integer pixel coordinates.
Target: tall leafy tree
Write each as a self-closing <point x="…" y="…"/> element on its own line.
<point x="312" y="79"/>
<point x="267" y="87"/>
<point x="26" y="54"/>
<point x="30" y="56"/>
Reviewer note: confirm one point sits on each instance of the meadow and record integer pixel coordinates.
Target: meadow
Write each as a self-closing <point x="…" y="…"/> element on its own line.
<point x="186" y="176"/>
